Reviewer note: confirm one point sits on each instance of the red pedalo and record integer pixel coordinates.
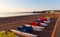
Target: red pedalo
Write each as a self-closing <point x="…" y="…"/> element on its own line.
<point x="43" y="19"/>
<point x="34" y="23"/>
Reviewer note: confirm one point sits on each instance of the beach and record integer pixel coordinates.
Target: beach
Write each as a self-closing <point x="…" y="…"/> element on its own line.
<point x="13" y="22"/>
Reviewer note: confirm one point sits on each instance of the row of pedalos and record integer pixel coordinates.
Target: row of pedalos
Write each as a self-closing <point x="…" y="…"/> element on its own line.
<point x="25" y="30"/>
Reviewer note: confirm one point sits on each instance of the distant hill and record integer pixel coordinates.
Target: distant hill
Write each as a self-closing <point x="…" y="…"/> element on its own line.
<point x="39" y="11"/>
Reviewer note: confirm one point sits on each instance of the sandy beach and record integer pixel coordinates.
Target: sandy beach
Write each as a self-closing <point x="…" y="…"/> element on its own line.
<point x="13" y="22"/>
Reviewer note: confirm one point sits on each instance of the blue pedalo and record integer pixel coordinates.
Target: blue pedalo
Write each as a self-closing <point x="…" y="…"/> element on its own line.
<point x="25" y="29"/>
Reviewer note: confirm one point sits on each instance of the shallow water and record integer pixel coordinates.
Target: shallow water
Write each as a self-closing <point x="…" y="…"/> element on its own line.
<point x="10" y="14"/>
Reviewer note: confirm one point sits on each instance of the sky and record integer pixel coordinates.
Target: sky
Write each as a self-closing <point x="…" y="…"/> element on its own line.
<point x="28" y="5"/>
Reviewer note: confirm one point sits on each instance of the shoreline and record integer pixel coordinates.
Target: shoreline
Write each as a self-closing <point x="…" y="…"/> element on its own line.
<point x="4" y="15"/>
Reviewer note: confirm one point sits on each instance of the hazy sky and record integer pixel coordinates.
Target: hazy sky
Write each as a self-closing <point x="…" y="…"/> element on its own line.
<point x="28" y="5"/>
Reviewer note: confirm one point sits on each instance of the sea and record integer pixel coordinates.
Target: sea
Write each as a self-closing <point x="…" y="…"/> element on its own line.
<point x="11" y="14"/>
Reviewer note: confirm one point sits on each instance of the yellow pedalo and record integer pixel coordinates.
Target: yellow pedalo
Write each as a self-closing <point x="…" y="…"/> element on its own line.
<point x="7" y="34"/>
<point x="47" y="17"/>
